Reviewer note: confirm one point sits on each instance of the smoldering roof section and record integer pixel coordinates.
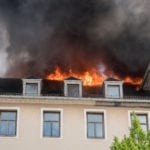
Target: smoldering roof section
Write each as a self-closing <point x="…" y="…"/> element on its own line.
<point x="70" y="32"/>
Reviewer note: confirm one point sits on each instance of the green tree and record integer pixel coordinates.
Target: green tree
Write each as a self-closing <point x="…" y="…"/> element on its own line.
<point x="136" y="140"/>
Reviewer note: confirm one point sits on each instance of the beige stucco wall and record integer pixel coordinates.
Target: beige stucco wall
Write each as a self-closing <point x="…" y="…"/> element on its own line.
<point x="29" y="133"/>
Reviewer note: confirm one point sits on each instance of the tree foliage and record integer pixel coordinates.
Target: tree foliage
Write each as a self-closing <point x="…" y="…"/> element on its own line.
<point x="136" y="140"/>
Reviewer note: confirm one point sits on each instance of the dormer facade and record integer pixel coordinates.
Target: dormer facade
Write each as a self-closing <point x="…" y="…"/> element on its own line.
<point x="72" y="87"/>
<point x="31" y="86"/>
<point x="145" y="86"/>
<point x="113" y="88"/>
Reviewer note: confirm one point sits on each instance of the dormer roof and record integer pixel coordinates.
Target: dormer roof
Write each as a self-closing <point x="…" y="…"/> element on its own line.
<point x="72" y="78"/>
<point x="112" y="79"/>
<point x="31" y="77"/>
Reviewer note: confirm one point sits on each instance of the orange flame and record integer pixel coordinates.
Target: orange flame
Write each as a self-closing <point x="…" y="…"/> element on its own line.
<point x="134" y="81"/>
<point x="90" y="78"/>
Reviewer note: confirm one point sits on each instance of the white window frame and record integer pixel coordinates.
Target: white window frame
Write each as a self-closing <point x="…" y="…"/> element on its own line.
<point x="60" y="110"/>
<point x="138" y="112"/>
<point x="113" y="83"/>
<point x="17" y="109"/>
<point x="105" y="123"/>
<point x="30" y="81"/>
<point x="76" y="82"/>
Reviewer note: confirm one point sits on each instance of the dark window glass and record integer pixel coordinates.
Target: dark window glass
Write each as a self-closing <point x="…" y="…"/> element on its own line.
<point x="8" y="122"/>
<point x="51" y="124"/>
<point x="95" y="125"/>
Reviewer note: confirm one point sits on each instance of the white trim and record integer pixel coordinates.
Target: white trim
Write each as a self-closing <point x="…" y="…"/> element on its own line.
<point x="61" y="122"/>
<point x="105" y="123"/>
<point x="17" y="109"/>
<point x="138" y="112"/>
<point x="75" y="82"/>
<point x="37" y="81"/>
<point x="115" y="83"/>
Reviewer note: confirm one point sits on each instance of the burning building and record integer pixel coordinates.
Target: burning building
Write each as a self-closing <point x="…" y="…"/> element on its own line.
<point x="67" y="115"/>
<point x="87" y="60"/>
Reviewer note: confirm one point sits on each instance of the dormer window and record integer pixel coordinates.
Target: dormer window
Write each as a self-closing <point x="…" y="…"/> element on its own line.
<point x="73" y="87"/>
<point x="31" y="86"/>
<point x="113" y="88"/>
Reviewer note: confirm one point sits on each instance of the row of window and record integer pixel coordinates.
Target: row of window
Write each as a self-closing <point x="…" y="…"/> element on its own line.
<point x="52" y="122"/>
<point x="73" y="88"/>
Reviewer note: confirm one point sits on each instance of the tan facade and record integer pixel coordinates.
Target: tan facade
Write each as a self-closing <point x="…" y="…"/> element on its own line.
<point x="73" y="122"/>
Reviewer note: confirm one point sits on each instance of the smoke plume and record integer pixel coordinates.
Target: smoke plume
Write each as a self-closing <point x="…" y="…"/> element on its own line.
<point x="76" y="34"/>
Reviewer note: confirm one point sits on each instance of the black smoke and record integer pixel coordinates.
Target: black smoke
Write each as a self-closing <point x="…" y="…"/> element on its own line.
<point x="77" y="35"/>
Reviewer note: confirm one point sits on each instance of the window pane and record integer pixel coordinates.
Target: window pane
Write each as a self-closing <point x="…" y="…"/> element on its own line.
<point x="90" y="130"/>
<point x="31" y="88"/>
<point x="12" y="127"/>
<point x="99" y="130"/>
<point x="3" y="128"/>
<point x="55" y="129"/>
<point x="73" y="90"/>
<point x="113" y="91"/>
<point x="95" y="118"/>
<point x="8" y="115"/>
<point x="51" y="116"/>
<point x="142" y="118"/>
<point x="144" y="127"/>
<point x="47" y="129"/>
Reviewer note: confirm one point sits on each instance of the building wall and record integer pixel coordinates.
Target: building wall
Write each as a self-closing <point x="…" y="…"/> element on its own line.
<point x="73" y="138"/>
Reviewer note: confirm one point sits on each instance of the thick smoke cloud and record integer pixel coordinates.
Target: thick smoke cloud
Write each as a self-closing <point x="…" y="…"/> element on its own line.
<point x="77" y="34"/>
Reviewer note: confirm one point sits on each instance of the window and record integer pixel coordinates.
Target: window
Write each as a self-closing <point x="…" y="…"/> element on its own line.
<point x="113" y="88"/>
<point x="31" y="86"/>
<point x="143" y="118"/>
<point x="8" y="123"/>
<point x="113" y="91"/>
<point x="31" y="89"/>
<point x="51" y="124"/>
<point x="73" y="87"/>
<point x="73" y="90"/>
<point x="95" y="125"/>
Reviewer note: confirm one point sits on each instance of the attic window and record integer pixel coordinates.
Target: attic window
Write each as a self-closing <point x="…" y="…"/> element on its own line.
<point x="31" y="87"/>
<point x="113" y="88"/>
<point x="73" y="87"/>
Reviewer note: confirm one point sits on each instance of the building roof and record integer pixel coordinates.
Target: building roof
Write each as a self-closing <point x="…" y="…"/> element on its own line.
<point x="112" y="79"/>
<point x="31" y="77"/>
<point x="10" y="86"/>
<point x="55" y="88"/>
<point x="72" y="78"/>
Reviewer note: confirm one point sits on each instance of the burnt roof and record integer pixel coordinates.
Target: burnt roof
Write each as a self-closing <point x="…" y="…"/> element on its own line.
<point x="72" y="78"/>
<point x="10" y="85"/>
<point x="112" y="79"/>
<point x="31" y="77"/>
<point x="51" y="87"/>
